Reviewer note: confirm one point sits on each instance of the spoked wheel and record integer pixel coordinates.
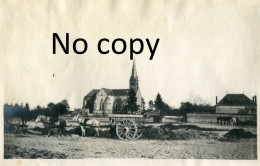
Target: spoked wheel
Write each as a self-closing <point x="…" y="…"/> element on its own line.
<point x="139" y="133"/>
<point x="14" y="129"/>
<point x="126" y="129"/>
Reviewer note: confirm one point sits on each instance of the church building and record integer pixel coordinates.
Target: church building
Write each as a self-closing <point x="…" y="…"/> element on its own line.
<point x="113" y="101"/>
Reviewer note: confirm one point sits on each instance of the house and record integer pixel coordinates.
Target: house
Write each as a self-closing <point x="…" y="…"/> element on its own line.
<point x="236" y="104"/>
<point x="152" y="115"/>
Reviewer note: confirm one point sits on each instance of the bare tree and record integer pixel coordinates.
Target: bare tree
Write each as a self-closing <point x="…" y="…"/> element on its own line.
<point x="197" y="100"/>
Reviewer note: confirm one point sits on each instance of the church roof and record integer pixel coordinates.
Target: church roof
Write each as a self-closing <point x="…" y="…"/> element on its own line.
<point x="116" y="92"/>
<point x="120" y="92"/>
<point x="93" y="92"/>
<point x="108" y="91"/>
<point x="236" y="100"/>
<point x="134" y="72"/>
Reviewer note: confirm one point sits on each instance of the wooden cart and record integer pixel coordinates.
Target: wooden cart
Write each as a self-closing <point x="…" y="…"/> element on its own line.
<point x="127" y="127"/>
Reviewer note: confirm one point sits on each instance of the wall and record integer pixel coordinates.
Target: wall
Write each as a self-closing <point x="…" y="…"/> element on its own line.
<point x="212" y="118"/>
<point x="172" y="119"/>
<point x="229" y="109"/>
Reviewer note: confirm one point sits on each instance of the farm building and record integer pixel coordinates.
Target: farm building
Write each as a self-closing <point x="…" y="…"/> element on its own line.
<point x="152" y="115"/>
<point x="174" y="115"/>
<point x="236" y="104"/>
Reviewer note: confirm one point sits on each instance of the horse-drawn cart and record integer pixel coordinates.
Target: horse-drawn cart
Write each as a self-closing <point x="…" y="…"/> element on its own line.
<point x="122" y="126"/>
<point x="15" y="125"/>
<point x="127" y="127"/>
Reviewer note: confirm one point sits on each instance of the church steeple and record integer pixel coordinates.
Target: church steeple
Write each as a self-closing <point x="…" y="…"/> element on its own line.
<point x="134" y="78"/>
<point x="134" y="72"/>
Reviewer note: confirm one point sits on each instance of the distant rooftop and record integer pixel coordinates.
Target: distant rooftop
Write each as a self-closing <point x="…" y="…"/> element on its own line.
<point x="236" y="100"/>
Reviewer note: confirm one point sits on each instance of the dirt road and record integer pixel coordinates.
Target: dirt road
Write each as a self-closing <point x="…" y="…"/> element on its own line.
<point x="38" y="146"/>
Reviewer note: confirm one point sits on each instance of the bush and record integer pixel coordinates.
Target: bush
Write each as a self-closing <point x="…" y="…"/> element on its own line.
<point x="239" y="133"/>
<point x="172" y="132"/>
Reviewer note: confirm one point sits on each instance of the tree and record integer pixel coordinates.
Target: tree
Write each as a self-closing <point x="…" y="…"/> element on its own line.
<point x="143" y="104"/>
<point x="38" y="111"/>
<point x="158" y="103"/>
<point x="64" y="107"/>
<point x="50" y="105"/>
<point x="54" y="110"/>
<point x="151" y="104"/>
<point x="131" y="101"/>
<point x="25" y="114"/>
<point x="17" y="111"/>
<point x="187" y="107"/>
<point x="197" y="100"/>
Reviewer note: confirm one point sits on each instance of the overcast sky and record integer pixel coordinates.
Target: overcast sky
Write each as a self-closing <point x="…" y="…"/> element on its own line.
<point x="205" y="49"/>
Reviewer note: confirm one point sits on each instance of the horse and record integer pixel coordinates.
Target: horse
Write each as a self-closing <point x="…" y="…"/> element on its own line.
<point x="234" y="121"/>
<point x="92" y="123"/>
<point x="50" y="124"/>
<point x="226" y="120"/>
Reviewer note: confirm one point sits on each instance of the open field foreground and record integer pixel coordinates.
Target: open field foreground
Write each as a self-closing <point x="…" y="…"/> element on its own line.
<point x="183" y="143"/>
<point x="32" y="146"/>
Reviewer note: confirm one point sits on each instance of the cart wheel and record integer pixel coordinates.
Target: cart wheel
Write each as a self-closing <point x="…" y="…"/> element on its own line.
<point x="126" y="129"/>
<point x="139" y="133"/>
<point x="14" y="129"/>
<point x="24" y="130"/>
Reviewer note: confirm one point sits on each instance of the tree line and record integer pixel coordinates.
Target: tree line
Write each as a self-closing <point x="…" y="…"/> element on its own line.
<point x="26" y="114"/>
<point x="195" y="105"/>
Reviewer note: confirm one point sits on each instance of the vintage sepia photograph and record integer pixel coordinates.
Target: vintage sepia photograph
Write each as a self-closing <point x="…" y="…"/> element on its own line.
<point x="164" y="80"/>
<point x="118" y="123"/>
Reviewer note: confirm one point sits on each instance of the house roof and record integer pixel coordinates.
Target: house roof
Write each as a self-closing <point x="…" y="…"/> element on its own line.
<point x="152" y="112"/>
<point x="236" y="100"/>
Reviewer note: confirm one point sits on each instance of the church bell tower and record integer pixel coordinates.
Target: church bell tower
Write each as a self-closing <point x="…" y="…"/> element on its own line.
<point x="134" y="79"/>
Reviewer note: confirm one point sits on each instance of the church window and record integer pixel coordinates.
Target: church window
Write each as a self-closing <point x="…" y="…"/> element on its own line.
<point x="118" y="105"/>
<point x="101" y="104"/>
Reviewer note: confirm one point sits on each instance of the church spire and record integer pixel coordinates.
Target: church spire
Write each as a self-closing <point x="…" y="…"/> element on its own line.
<point x="134" y="72"/>
<point x="134" y="79"/>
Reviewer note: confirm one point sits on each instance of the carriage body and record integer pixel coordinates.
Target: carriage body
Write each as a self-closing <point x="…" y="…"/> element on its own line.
<point x="122" y="126"/>
<point x="138" y="119"/>
<point x="15" y="125"/>
<point x="127" y="126"/>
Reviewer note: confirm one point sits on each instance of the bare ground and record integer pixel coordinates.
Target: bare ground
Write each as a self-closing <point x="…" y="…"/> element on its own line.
<point x="73" y="146"/>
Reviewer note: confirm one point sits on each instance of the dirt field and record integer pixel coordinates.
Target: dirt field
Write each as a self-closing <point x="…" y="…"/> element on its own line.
<point x="74" y="146"/>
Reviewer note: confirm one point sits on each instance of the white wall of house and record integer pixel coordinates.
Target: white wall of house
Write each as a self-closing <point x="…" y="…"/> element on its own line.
<point x="229" y="109"/>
